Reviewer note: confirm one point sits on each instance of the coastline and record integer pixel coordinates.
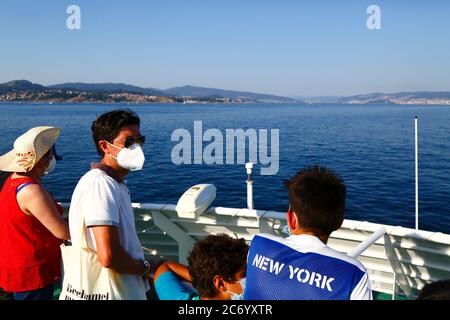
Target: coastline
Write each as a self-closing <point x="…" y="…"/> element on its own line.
<point x="299" y="103"/>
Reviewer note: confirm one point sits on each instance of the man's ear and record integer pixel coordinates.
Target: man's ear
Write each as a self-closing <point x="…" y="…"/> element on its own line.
<point x="219" y="283"/>
<point x="104" y="146"/>
<point x="292" y="219"/>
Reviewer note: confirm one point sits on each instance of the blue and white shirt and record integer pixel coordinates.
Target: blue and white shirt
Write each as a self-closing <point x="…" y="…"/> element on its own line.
<point x="301" y="267"/>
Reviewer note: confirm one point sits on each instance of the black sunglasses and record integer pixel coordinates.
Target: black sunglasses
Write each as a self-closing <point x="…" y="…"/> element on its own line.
<point x="52" y="153"/>
<point x="57" y="156"/>
<point x="129" y="141"/>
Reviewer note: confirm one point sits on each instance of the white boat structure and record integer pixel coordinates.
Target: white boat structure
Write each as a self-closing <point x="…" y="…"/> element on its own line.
<point x="400" y="261"/>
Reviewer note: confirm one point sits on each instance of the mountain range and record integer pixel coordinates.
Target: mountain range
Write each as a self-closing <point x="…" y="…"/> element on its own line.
<point x="23" y="90"/>
<point x="192" y="91"/>
<point x="20" y="85"/>
<point x="420" y="97"/>
<point x="117" y="88"/>
<point x="107" y="87"/>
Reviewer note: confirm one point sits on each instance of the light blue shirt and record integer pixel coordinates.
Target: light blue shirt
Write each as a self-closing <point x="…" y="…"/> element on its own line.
<point x="170" y="287"/>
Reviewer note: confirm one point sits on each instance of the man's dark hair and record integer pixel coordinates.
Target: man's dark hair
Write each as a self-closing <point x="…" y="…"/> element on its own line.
<point x="317" y="196"/>
<point x="439" y="290"/>
<point x="107" y="126"/>
<point x="216" y="255"/>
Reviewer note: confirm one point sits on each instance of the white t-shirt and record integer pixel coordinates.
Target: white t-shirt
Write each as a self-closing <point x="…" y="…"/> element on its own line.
<point x="103" y="201"/>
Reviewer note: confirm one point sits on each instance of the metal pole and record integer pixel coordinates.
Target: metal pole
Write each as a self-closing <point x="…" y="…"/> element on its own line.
<point x="249" y="167"/>
<point x="250" y="194"/>
<point x="367" y="243"/>
<point x="417" y="170"/>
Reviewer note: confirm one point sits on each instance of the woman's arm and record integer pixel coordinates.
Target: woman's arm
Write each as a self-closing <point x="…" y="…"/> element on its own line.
<point x="35" y="200"/>
<point x="179" y="269"/>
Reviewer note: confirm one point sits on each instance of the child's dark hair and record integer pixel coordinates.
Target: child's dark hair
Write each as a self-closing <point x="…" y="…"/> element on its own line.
<point x="216" y="255"/>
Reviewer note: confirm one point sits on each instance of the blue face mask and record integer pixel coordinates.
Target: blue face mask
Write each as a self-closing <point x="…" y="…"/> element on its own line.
<point x="286" y="231"/>
<point x="240" y="296"/>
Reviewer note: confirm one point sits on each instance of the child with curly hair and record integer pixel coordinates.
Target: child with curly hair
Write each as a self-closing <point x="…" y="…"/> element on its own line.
<point x="216" y="270"/>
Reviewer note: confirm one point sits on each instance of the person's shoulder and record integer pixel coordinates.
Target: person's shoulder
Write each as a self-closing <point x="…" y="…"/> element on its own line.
<point x="33" y="197"/>
<point x="264" y="239"/>
<point x="267" y="239"/>
<point x="31" y="190"/>
<point x="93" y="174"/>
<point x="96" y="176"/>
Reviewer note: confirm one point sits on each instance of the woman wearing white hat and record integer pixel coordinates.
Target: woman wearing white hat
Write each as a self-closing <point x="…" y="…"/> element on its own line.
<point x="31" y="223"/>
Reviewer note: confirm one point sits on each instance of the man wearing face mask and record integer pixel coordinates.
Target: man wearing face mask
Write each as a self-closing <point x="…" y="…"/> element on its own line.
<point x="31" y="223"/>
<point x="102" y="201"/>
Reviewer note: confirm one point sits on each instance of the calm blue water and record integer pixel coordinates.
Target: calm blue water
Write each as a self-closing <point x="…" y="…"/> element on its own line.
<point x="371" y="147"/>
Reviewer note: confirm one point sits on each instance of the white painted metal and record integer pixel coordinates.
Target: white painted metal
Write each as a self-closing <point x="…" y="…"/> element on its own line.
<point x="418" y="256"/>
<point x="394" y="288"/>
<point x="196" y="200"/>
<point x="249" y="167"/>
<point x="250" y="204"/>
<point x="367" y="243"/>
<point x="185" y="242"/>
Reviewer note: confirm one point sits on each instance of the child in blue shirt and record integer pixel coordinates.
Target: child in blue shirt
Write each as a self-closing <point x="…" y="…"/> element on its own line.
<point x="216" y="269"/>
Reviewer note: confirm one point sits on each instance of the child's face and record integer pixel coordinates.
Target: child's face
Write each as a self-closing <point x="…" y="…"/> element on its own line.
<point x="235" y="286"/>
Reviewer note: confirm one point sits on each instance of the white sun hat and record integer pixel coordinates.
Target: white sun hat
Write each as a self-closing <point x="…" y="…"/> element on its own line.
<point x="29" y="149"/>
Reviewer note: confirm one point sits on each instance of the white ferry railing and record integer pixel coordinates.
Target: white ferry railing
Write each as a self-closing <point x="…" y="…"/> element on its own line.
<point x="363" y="246"/>
<point x="415" y="257"/>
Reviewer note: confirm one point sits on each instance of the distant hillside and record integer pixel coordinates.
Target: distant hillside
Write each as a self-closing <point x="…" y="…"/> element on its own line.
<point x="23" y="90"/>
<point x="421" y="97"/>
<point x="20" y="85"/>
<point x="318" y="99"/>
<point x="192" y="91"/>
<point x="107" y="87"/>
<point x="185" y="91"/>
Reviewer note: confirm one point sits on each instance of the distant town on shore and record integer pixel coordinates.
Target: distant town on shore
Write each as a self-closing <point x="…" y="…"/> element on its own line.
<point x="26" y="91"/>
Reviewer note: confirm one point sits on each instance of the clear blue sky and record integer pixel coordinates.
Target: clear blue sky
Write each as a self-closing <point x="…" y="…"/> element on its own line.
<point x="285" y="47"/>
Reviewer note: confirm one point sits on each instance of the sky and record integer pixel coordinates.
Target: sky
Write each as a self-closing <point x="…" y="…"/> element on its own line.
<point x="284" y="47"/>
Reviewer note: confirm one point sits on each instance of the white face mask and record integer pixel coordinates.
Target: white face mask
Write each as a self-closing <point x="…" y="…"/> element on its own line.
<point x="131" y="158"/>
<point x="50" y="167"/>
<point x="238" y="296"/>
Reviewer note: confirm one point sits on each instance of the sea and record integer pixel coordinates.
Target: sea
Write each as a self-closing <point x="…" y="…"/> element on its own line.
<point x="370" y="146"/>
